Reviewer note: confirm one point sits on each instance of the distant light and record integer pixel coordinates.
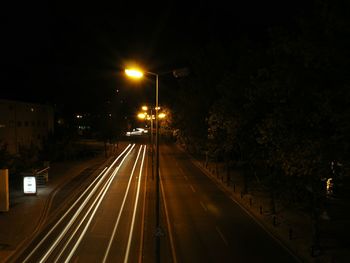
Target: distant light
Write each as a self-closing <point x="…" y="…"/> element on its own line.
<point x="144" y="108"/>
<point x="79" y="116"/>
<point x="134" y="73"/>
<point x="161" y="115"/>
<point x="141" y="115"/>
<point x="31" y="109"/>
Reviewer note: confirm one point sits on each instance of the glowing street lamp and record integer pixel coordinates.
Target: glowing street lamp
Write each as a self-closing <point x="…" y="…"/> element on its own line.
<point x="142" y="115"/>
<point x="161" y="115"/>
<point x="134" y="73"/>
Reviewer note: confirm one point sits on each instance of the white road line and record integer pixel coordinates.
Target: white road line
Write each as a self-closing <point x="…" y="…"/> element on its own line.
<point x="204" y="207"/>
<point x="221" y="235"/>
<point x="193" y="190"/>
<point x="186" y="177"/>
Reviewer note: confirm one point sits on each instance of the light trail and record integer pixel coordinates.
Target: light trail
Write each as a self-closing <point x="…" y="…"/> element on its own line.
<point x="126" y="258"/>
<point x="81" y="207"/>
<point x="98" y="198"/>
<point x="104" y="191"/>
<point x="120" y="211"/>
<point x="143" y="217"/>
<point x="101" y="175"/>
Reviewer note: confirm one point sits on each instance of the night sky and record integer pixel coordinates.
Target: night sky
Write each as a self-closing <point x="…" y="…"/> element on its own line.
<point x="73" y="54"/>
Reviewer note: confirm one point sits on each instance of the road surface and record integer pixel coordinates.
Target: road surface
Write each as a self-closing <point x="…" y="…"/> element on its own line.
<point x="205" y="224"/>
<point x="112" y="218"/>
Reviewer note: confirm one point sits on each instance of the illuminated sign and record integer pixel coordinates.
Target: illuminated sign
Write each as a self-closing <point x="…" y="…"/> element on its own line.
<point x="29" y="185"/>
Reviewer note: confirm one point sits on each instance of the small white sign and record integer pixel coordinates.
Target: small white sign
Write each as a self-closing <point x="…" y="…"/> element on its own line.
<point x="29" y="184"/>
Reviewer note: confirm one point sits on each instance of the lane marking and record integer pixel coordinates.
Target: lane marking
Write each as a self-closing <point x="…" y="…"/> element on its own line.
<point x="204" y="207"/>
<point x="221" y="235"/>
<point x="193" y="190"/>
<point x="93" y="226"/>
<point x="186" y="177"/>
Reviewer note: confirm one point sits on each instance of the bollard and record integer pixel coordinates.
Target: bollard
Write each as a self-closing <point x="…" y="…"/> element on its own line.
<point x="261" y="210"/>
<point x="274" y="221"/>
<point x="290" y="233"/>
<point x="241" y="194"/>
<point x="234" y="188"/>
<point x="250" y="202"/>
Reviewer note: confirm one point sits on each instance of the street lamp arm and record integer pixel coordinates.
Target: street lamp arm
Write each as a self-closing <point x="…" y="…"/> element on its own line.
<point x="152" y="73"/>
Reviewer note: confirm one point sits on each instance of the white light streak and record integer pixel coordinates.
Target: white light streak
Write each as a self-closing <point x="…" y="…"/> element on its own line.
<point x="101" y="175"/>
<point x="126" y="258"/>
<point x="94" y="212"/>
<point x="121" y="210"/>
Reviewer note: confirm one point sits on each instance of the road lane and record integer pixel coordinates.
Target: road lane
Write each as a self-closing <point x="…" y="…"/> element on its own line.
<point x="104" y="223"/>
<point x="206" y="225"/>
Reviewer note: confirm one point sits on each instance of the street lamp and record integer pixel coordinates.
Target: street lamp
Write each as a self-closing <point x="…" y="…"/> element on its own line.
<point x="135" y="73"/>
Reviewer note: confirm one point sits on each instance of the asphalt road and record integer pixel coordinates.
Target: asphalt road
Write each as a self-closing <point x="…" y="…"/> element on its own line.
<point x="112" y="219"/>
<point x="105" y="222"/>
<point x="205" y="225"/>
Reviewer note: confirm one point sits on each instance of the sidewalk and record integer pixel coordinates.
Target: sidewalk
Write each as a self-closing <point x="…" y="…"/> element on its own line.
<point x="291" y="228"/>
<point x="28" y="213"/>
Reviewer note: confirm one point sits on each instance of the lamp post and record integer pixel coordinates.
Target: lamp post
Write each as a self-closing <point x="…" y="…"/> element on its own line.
<point x="138" y="74"/>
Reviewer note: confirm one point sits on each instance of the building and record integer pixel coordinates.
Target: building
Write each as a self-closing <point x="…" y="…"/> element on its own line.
<point x="24" y="124"/>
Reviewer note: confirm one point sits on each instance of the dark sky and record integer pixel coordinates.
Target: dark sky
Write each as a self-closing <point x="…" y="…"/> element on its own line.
<point x="72" y="53"/>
